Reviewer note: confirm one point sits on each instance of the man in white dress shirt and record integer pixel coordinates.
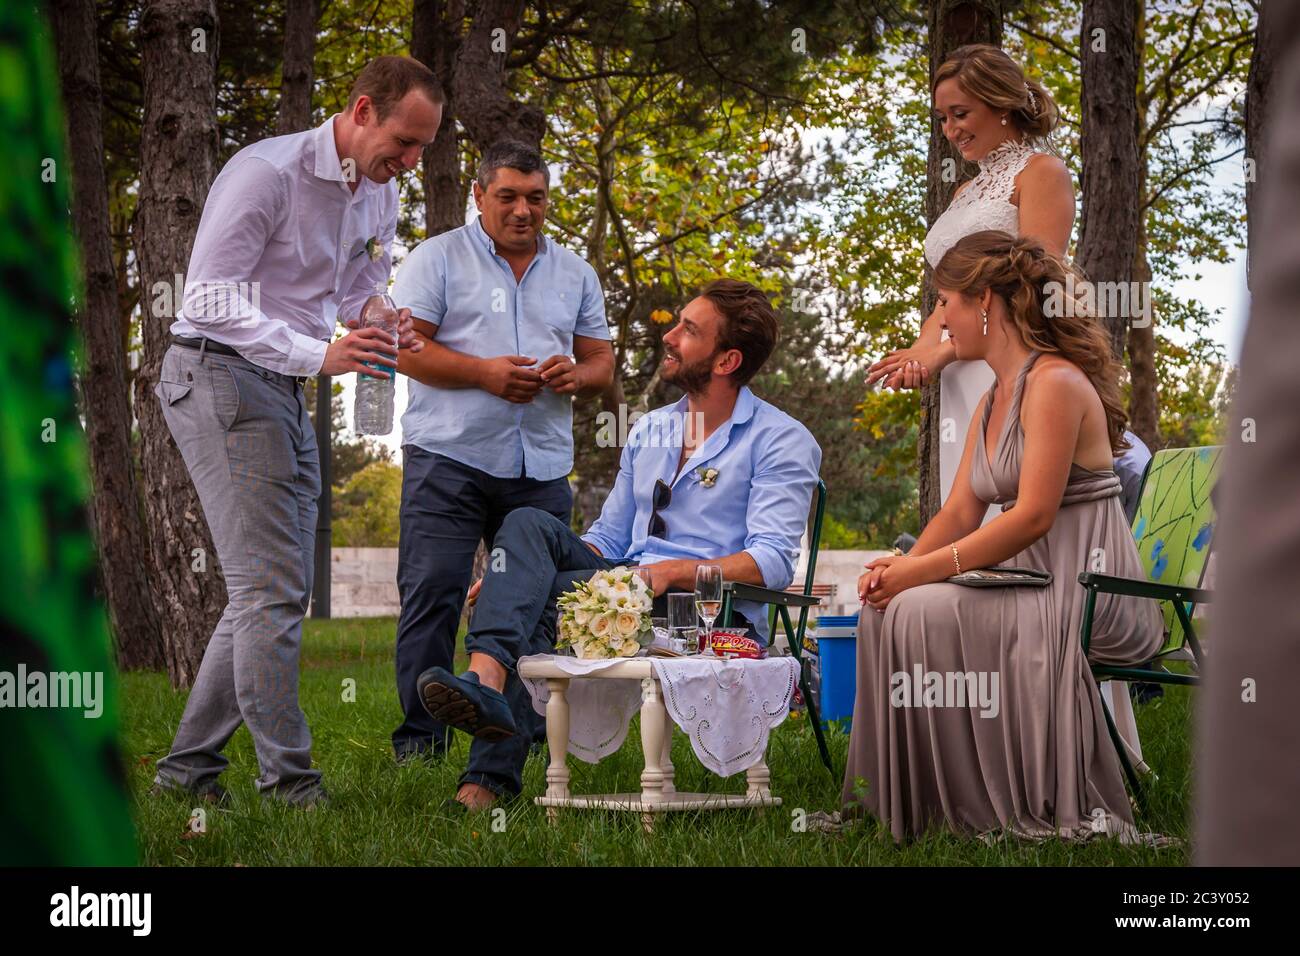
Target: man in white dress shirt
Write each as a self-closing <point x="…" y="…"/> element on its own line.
<point x="296" y="234"/>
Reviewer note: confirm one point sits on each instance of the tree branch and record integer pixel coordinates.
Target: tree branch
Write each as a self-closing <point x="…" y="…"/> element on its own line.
<point x="1042" y="38"/>
<point x="1172" y="181"/>
<point x="769" y="191"/>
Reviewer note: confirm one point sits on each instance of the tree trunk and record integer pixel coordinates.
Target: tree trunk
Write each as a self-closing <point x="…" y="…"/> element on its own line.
<point x="599" y="468"/>
<point x="484" y="105"/>
<point x="1143" y="401"/>
<point x="435" y="42"/>
<point x="105" y="403"/>
<point x="296" y="75"/>
<point x="1108" y="235"/>
<point x="1268" y="39"/>
<point x="178" y="151"/>
<point x="296" y="68"/>
<point x="952" y="23"/>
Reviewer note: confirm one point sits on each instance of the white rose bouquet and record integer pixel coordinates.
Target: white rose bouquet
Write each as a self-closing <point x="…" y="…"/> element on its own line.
<point x="606" y="616"/>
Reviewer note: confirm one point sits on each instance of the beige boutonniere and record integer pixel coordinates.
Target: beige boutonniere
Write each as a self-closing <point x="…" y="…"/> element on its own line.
<point x="374" y="249"/>
<point x="708" y="477"/>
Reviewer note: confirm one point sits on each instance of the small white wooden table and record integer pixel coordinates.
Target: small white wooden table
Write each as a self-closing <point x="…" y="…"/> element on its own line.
<point x="658" y="793"/>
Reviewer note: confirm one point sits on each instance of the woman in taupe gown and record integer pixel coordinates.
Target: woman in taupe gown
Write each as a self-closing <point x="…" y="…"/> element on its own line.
<point x="1031" y="755"/>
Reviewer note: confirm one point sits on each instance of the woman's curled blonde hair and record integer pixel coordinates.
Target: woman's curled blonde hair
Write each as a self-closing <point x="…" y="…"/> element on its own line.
<point x="1025" y="276"/>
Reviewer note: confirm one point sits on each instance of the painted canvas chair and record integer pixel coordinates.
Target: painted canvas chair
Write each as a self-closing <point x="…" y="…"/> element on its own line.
<point x="1173" y="526"/>
<point x="782" y="601"/>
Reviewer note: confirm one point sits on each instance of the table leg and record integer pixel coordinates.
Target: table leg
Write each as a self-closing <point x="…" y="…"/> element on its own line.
<point x="759" y="779"/>
<point x="557" y="741"/>
<point x="666" y="759"/>
<point x="653" y="716"/>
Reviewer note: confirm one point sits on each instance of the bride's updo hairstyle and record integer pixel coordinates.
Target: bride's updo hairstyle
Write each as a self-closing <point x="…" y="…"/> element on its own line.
<point x="1025" y="275"/>
<point x="992" y="77"/>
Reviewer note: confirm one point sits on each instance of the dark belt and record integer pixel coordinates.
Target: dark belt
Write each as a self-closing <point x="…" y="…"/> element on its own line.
<point x="203" y="345"/>
<point x="216" y="348"/>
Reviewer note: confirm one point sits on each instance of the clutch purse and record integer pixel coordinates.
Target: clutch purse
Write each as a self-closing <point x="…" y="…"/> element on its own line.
<point x="1002" y="577"/>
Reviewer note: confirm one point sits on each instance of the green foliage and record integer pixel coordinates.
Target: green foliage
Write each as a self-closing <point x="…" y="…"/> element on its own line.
<point x="350" y="452"/>
<point x="366" y="507"/>
<point x="670" y="179"/>
<point x="694" y="141"/>
<point x="838" y="536"/>
<point x="367" y="485"/>
<point x="1195" y="60"/>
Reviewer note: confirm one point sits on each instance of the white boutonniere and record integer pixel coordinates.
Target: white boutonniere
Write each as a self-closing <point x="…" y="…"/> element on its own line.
<point x="707" y="477"/>
<point x="374" y="249"/>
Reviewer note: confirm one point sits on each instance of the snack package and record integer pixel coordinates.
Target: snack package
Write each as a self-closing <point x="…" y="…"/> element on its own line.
<point x="728" y="642"/>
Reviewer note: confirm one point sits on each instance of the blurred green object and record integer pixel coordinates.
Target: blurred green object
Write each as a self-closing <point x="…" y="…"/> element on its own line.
<point x="1173" y="526"/>
<point x="63" y="798"/>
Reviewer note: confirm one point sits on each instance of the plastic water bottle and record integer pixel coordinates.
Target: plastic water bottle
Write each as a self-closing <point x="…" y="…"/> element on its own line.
<point x="372" y="413"/>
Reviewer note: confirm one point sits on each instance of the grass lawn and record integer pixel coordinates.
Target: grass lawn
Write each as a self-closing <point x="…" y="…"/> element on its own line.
<point x="386" y="814"/>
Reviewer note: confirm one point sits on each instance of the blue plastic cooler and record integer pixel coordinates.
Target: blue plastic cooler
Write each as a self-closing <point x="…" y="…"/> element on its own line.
<point x="837" y="663"/>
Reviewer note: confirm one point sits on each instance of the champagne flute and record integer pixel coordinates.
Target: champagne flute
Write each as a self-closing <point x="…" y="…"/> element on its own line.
<point x="708" y="601"/>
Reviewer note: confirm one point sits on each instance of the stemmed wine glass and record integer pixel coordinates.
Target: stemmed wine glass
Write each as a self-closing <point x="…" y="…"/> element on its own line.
<point x="708" y="601"/>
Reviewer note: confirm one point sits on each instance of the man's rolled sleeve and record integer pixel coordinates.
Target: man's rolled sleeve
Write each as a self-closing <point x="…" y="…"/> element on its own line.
<point x="421" y="283"/>
<point x="777" y="513"/>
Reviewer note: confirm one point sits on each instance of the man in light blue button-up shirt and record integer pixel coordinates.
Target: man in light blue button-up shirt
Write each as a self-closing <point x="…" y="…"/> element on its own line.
<point x="514" y="328"/>
<point x="496" y="415"/>
<point x="721" y="477"/>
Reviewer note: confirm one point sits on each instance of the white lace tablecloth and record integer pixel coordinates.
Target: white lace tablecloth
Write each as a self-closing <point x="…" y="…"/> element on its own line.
<point x="727" y="707"/>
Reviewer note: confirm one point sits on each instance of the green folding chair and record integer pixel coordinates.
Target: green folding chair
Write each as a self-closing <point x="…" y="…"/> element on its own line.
<point x="1173" y="526"/>
<point x="783" y="601"/>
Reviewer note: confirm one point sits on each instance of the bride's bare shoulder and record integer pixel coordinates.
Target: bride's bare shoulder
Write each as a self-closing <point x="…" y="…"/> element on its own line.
<point x="1044" y="172"/>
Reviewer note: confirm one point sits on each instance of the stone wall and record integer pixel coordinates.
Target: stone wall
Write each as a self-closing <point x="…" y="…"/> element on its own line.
<point x="363" y="582"/>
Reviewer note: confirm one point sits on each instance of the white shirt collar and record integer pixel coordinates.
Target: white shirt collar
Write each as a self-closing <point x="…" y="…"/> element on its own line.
<point x="329" y="166"/>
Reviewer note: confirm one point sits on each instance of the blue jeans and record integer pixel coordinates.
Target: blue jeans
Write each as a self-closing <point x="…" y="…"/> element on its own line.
<point x="538" y="558"/>
<point x="447" y="507"/>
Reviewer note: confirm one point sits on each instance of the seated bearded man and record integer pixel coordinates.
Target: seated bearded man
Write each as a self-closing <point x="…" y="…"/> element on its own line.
<point x="731" y="486"/>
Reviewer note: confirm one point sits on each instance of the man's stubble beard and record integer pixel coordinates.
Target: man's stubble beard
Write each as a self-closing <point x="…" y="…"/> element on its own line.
<point x="692" y="379"/>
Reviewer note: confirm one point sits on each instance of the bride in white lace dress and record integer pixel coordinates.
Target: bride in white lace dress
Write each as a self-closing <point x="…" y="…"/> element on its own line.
<point x="997" y="117"/>
<point x="993" y="115"/>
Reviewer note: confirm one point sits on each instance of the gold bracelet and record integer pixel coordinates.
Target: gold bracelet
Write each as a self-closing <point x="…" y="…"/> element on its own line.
<point x="955" y="559"/>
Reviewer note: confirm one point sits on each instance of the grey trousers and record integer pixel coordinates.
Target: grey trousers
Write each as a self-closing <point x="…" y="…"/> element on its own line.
<point x="248" y="443"/>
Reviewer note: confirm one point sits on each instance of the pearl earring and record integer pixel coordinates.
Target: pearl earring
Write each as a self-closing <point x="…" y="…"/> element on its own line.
<point x="984" y="314"/>
<point x="1004" y="121"/>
